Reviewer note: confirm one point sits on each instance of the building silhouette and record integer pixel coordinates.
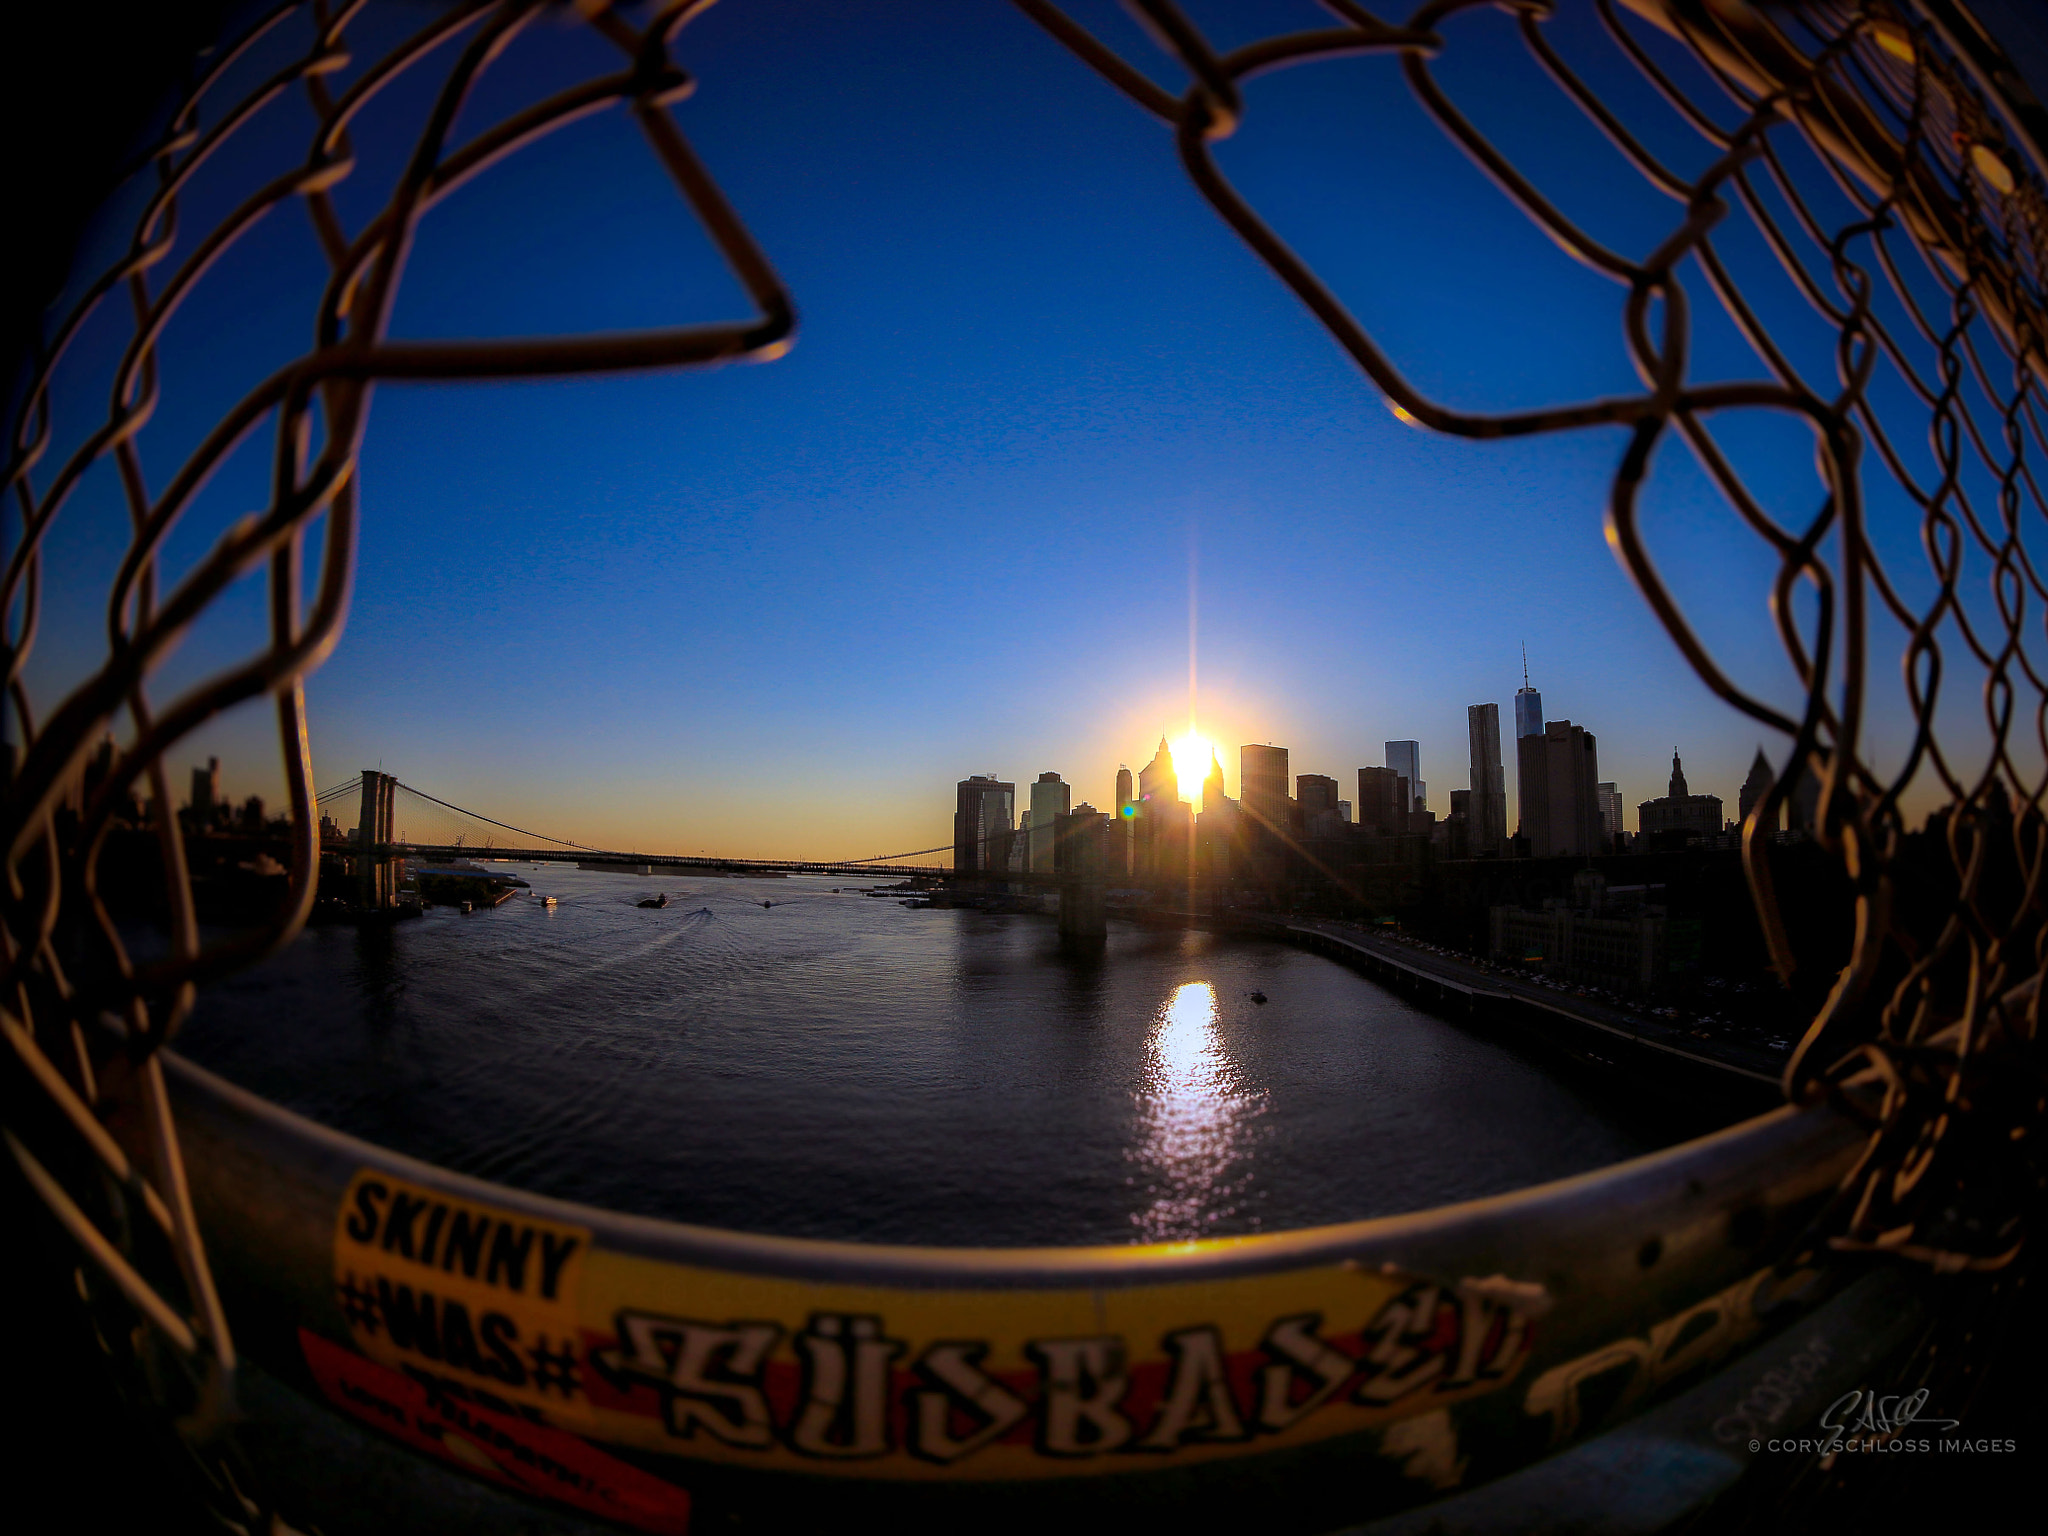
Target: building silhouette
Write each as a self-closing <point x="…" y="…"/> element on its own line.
<point x="1381" y="812"/>
<point x="1120" y="853"/>
<point x="1756" y="788"/>
<point x="1051" y="798"/>
<point x="1679" y="812"/>
<point x="983" y="807"/>
<point x="1405" y="758"/>
<point x="1164" y="825"/>
<point x="1486" y="824"/>
<point x="1559" y="781"/>
<point x="1528" y="757"/>
<point x="1262" y="784"/>
<point x="1321" y="813"/>
<point x="1613" y="814"/>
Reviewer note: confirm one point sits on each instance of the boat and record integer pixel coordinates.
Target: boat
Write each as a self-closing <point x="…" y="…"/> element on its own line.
<point x="654" y="901"/>
<point x="1258" y="997"/>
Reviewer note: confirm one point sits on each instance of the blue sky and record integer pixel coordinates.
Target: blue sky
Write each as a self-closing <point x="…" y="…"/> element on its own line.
<point x="1038" y="391"/>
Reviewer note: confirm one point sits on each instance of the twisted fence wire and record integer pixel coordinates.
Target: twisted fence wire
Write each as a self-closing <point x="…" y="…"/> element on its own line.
<point x="1934" y="284"/>
<point x="82" y="1012"/>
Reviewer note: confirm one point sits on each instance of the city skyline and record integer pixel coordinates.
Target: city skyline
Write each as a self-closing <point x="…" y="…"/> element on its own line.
<point x="1011" y="498"/>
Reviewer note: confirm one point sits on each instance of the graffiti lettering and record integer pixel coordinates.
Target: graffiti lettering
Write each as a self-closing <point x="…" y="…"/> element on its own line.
<point x="708" y="1374"/>
<point x="1081" y="1383"/>
<point x="1305" y="1373"/>
<point x="1198" y="1401"/>
<point x="846" y="1400"/>
<point x="966" y="1392"/>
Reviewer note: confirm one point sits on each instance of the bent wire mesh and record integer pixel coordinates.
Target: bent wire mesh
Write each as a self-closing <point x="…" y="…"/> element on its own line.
<point x="85" y="1017"/>
<point x="1901" y="197"/>
<point x="1931" y="283"/>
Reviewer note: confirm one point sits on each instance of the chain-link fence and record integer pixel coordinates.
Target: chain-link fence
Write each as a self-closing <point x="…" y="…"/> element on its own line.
<point x="1902" y="201"/>
<point x="84" y="1016"/>
<point x="1896" y="191"/>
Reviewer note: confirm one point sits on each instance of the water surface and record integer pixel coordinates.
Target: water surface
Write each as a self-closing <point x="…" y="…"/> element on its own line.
<point x="837" y="1065"/>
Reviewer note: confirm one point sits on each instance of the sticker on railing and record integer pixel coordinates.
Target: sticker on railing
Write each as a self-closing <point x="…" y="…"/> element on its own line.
<point x="493" y="1442"/>
<point x="901" y="1381"/>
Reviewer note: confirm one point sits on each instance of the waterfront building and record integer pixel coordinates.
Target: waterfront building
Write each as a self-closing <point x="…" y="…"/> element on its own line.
<point x="1529" y="776"/>
<point x="1051" y="797"/>
<point x="1679" y="813"/>
<point x="1486" y="826"/>
<point x="205" y="794"/>
<point x="983" y="806"/>
<point x="1164" y="827"/>
<point x="1262" y="784"/>
<point x="1405" y="758"/>
<point x="1316" y="794"/>
<point x="1457" y="827"/>
<point x="1381" y="810"/>
<point x="1756" y="788"/>
<point x="1604" y="936"/>
<point x="1212" y="784"/>
<point x="1157" y="780"/>
<point x="1558" y="781"/>
<point x="1613" y="814"/>
<point x="1120" y="853"/>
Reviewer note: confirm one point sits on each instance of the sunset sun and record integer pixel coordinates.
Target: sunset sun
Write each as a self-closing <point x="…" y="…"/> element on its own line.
<point x="1191" y="755"/>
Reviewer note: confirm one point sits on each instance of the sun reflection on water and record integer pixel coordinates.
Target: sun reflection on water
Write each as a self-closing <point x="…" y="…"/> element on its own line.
<point x="1196" y="1114"/>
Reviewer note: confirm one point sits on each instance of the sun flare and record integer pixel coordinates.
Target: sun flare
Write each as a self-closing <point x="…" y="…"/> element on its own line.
<point x="1191" y="762"/>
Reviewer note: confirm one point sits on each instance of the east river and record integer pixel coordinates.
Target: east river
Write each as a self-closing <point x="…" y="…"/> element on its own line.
<point x="836" y="1065"/>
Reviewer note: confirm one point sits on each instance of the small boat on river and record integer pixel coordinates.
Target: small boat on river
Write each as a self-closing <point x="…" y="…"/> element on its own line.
<point x="655" y="901"/>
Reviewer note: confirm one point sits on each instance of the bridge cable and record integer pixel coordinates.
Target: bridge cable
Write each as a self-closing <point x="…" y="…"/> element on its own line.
<point x="581" y="847"/>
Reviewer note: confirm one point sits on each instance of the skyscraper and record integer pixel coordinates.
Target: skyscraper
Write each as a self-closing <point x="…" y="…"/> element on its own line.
<point x="1380" y="811"/>
<point x="1051" y="797"/>
<point x="1560" y="774"/>
<point x="984" y="806"/>
<point x="1528" y="705"/>
<point x="1528" y="753"/>
<point x="1120" y="848"/>
<point x="1756" y="787"/>
<point x="1157" y="780"/>
<point x="1488" y="826"/>
<point x="1613" y="814"/>
<point x="1262" y="784"/>
<point x="1405" y="758"/>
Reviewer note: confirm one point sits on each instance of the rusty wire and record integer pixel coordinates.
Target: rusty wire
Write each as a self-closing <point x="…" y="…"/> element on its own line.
<point x="1931" y="1032"/>
<point x="84" y="1017"/>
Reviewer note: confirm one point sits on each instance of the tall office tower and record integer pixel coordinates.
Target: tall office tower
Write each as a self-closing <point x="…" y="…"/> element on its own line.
<point x="205" y="792"/>
<point x="1613" y="814"/>
<point x="1262" y="784"/>
<point x="1405" y="758"/>
<point x="1213" y="798"/>
<point x="984" y="806"/>
<point x="1316" y="794"/>
<point x="1315" y="791"/>
<point x="1050" y="797"/>
<point x="1486" y="827"/>
<point x="1380" y="810"/>
<point x="1120" y="845"/>
<point x="1528" y="704"/>
<point x="1157" y="781"/>
<point x="1560" y="794"/>
<point x="1756" y="787"/>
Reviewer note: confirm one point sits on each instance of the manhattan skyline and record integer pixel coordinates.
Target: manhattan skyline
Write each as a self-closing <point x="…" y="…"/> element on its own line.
<point x="1050" y="442"/>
